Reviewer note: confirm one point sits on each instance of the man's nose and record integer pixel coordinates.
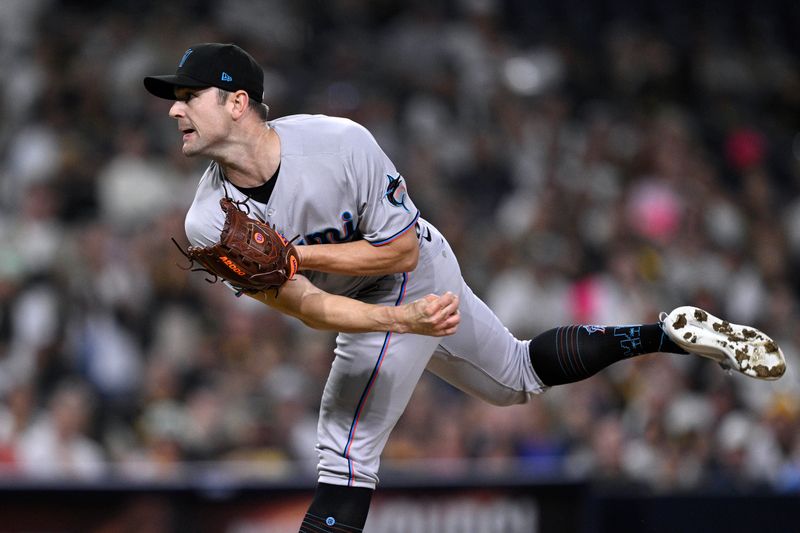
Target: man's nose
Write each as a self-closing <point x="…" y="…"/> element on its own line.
<point x="176" y="110"/>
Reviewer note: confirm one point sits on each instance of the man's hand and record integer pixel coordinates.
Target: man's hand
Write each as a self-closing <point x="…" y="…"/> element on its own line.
<point x="433" y="315"/>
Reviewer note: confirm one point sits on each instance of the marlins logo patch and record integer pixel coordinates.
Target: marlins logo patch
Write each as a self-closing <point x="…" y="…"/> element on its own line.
<point x="396" y="192"/>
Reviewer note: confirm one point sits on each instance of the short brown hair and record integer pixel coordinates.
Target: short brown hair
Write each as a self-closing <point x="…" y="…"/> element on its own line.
<point x="261" y="109"/>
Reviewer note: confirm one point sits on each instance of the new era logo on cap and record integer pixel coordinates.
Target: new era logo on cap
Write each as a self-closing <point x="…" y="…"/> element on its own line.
<point x="226" y="77"/>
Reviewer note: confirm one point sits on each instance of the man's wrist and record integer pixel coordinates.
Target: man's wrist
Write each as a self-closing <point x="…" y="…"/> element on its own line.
<point x="393" y="318"/>
<point x="301" y="255"/>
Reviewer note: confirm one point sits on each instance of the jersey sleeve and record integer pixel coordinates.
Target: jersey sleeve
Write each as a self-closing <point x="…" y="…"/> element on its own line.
<point x="385" y="207"/>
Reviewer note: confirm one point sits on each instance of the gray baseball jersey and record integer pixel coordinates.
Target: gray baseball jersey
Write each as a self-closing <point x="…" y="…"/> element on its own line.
<point x="335" y="184"/>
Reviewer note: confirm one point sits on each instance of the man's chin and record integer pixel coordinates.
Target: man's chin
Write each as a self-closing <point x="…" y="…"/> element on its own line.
<point x="189" y="151"/>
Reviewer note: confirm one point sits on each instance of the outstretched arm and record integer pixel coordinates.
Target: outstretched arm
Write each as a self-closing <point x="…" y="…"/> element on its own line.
<point x="432" y="315"/>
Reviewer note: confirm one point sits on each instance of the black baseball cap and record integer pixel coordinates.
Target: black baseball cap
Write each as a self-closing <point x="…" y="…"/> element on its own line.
<point x="212" y="65"/>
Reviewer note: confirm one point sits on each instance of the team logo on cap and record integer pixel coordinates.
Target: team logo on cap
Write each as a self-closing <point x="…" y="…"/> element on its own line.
<point x="185" y="56"/>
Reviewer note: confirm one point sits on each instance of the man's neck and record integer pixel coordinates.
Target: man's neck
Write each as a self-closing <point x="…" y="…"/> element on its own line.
<point x="252" y="163"/>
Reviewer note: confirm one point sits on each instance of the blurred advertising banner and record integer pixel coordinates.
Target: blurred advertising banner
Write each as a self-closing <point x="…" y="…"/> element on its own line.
<point x="432" y="507"/>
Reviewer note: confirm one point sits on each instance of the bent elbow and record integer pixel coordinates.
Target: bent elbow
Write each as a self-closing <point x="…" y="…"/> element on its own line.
<point x="400" y="255"/>
<point x="409" y="260"/>
<point x="409" y="264"/>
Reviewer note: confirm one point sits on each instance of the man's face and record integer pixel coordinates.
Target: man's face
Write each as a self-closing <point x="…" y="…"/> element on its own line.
<point x="201" y="118"/>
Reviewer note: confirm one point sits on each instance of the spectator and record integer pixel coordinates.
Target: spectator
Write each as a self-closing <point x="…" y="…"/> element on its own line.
<point x="57" y="445"/>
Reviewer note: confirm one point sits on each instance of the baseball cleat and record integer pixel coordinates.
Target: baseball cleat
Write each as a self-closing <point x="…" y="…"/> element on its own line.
<point x="741" y="348"/>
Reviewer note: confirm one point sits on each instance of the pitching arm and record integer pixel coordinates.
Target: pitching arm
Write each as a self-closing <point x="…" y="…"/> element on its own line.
<point x="433" y="315"/>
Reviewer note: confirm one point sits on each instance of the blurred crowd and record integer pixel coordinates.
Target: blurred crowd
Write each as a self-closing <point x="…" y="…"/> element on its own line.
<point x="590" y="162"/>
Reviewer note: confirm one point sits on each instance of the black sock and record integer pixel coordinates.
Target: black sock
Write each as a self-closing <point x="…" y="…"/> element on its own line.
<point x="337" y="508"/>
<point x="572" y="353"/>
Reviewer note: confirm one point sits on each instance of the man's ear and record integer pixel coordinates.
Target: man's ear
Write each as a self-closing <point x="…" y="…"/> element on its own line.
<point x="239" y="102"/>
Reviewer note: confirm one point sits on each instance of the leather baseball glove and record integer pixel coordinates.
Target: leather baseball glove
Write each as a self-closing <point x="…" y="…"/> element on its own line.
<point x="250" y="255"/>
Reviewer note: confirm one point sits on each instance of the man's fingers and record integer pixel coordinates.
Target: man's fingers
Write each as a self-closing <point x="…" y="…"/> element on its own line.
<point x="449" y="306"/>
<point x="447" y="318"/>
<point x="449" y="326"/>
<point x="436" y="315"/>
<point x="451" y="321"/>
<point x="439" y="307"/>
